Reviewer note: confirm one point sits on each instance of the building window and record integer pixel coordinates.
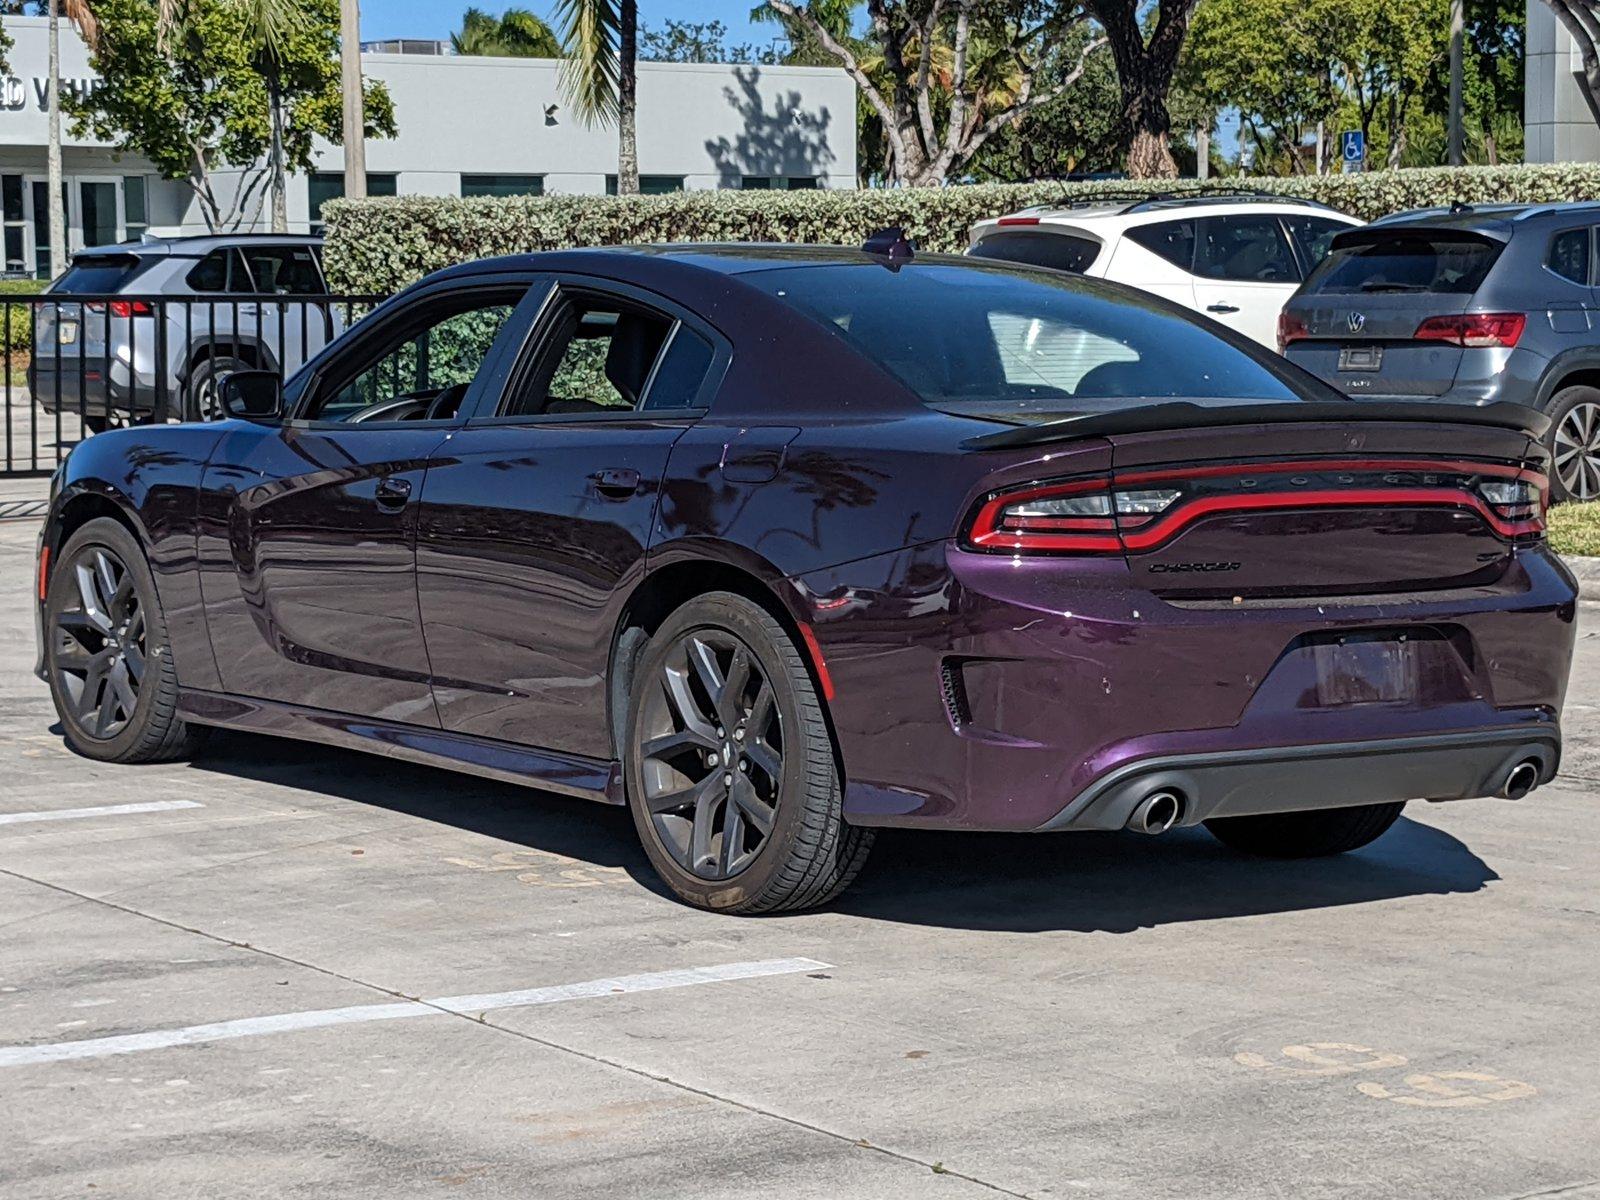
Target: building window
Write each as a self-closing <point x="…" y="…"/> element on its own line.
<point x="16" y="262"/>
<point x="135" y="207"/>
<point x="502" y="185"/>
<point x="649" y="185"/>
<point x="329" y="185"/>
<point x="781" y="183"/>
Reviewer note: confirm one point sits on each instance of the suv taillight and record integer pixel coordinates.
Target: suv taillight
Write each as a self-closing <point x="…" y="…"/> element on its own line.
<point x="122" y="308"/>
<point x="1474" y="329"/>
<point x="1291" y="328"/>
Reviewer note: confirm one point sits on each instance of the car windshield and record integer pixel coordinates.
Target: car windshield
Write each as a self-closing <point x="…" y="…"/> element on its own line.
<point x="1009" y="343"/>
<point x="1403" y="260"/>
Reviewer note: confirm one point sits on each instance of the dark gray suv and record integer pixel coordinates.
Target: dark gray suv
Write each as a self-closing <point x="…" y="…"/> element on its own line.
<point x="1468" y="305"/>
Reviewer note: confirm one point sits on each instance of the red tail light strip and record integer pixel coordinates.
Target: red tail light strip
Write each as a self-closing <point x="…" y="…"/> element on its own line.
<point x="1170" y="524"/>
<point x="997" y="528"/>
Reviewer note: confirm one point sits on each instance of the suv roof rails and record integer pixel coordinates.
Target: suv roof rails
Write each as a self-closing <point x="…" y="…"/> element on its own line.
<point x="1152" y="200"/>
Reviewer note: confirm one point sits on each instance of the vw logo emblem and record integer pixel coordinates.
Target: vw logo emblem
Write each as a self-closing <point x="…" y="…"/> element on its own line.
<point x="1356" y="321"/>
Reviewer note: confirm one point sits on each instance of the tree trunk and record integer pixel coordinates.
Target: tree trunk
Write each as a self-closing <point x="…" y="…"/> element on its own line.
<point x="280" y="189"/>
<point x="628" y="99"/>
<point x="355" y="106"/>
<point x="58" y="215"/>
<point x="1149" y="155"/>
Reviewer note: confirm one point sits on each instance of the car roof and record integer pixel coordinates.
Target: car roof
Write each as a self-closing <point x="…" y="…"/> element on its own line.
<point x="722" y="258"/>
<point x="1496" y="220"/>
<point x="1099" y="206"/>
<point x="196" y="245"/>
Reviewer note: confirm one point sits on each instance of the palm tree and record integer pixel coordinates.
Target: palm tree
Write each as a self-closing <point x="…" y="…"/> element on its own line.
<point x="80" y="14"/>
<point x="517" y="34"/>
<point x="269" y="25"/>
<point x="600" y="74"/>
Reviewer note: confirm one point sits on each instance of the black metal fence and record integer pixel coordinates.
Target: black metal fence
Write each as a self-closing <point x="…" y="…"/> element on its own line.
<point x="79" y="364"/>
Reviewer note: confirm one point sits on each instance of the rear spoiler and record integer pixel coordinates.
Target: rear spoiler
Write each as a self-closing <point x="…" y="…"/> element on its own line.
<point x="1185" y="415"/>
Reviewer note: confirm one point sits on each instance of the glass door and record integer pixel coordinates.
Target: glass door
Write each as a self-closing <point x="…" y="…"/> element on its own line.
<point x="93" y="207"/>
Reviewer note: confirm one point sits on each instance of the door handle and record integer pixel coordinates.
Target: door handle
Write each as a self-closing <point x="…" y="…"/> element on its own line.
<point x="616" y="482"/>
<point x="1222" y="308"/>
<point x="393" y="493"/>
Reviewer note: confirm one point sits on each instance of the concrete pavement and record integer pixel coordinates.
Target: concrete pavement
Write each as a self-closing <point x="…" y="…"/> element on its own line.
<point x="1100" y="1015"/>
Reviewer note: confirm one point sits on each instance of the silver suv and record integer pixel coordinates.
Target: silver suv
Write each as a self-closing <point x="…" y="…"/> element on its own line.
<point x="148" y="328"/>
<point x="1469" y="305"/>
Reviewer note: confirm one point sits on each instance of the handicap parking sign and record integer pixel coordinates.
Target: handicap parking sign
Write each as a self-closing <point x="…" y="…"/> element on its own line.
<point x="1353" y="148"/>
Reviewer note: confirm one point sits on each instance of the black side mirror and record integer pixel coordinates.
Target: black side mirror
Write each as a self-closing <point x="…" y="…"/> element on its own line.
<point x="252" y="395"/>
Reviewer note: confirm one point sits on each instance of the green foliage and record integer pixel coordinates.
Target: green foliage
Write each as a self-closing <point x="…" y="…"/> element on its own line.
<point x="16" y="320"/>
<point x="516" y="33"/>
<point x="383" y="244"/>
<point x="203" y="104"/>
<point x="1575" y="528"/>
<point x="696" y="42"/>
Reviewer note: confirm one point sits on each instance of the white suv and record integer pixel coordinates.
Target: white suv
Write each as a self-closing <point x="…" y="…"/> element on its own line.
<point x="1235" y="256"/>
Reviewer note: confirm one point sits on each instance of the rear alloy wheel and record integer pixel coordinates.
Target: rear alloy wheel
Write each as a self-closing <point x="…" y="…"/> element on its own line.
<point x="202" y="400"/>
<point x="731" y="770"/>
<point x="1575" y="444"/>
<point x="107" y="659"/>
<point x="1315" y="833"/>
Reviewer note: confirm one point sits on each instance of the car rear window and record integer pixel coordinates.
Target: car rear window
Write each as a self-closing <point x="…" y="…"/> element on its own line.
<point x="99" y="275"/>
<point x="1007" y="342"/>
<point x="1403" y="260"/>
<point x="1063" y="251"/>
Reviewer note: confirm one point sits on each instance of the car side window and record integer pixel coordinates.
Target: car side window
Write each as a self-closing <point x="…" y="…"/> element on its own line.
<point x="1171" y="240"/>
<point x="1244" y="249"/>
<point x="220" y="271"/>
<point x="1569" y="255"/>
<point x="285" y="270"/>
<point x="1312" y="237"/>
<point x="600" y="354"/>
<point x="681" y="371"/>
<point x="421" y="370"/>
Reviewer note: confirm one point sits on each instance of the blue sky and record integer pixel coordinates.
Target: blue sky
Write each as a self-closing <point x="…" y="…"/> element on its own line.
<point x="440" y="18"/>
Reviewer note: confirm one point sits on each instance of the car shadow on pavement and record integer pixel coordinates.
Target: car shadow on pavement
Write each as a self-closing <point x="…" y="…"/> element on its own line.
<point x="1120" y="882"/>
<point x="1088" y="882"/>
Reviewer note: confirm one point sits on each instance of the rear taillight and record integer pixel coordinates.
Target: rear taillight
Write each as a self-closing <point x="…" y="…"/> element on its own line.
<point x="1291" y="328"/>
<point x="1474" y="329"/>
<point x="1081" y="517"/>
<point x="122" y="308"/>
<point x="1091" y="516"/>
<point x="1517" y="501"/>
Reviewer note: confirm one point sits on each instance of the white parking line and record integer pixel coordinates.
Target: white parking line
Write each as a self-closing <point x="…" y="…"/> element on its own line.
<point x="20" y="1056"/>
<point x="107" y="810"/>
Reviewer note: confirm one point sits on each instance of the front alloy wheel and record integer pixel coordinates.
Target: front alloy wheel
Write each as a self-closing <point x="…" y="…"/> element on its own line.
<point x="100" y="643"/>
<point x="106" y="652"/>
<point x="711" y="754"/>
<point x="1575" y="444"/>
<point x="731" y="773"/>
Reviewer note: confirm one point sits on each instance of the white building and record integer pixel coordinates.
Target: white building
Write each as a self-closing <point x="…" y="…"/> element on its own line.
<point x="467" y="126"/>
<point x="1557" y="123"/>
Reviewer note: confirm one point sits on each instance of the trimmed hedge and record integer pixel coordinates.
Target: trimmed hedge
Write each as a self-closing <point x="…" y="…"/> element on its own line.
<point x="16" y="321"/>
<point x="380" y="245"/>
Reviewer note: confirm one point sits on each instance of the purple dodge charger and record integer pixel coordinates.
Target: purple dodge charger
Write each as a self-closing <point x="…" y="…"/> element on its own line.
<point x="779" y="545"/>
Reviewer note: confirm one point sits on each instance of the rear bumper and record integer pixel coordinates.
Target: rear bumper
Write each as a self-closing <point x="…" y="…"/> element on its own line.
<point x="90" y="392"/>
<point x="1239" y="783"/>
<point x="1024" y="695"/>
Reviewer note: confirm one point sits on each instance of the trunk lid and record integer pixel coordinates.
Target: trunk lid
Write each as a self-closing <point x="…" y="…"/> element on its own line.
<point x="1321" y="508"/>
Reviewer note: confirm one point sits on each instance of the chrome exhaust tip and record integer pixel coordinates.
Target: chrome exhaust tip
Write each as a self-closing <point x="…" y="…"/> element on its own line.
<point x="1156" y="813"/>
<point x="1521" y="780"/>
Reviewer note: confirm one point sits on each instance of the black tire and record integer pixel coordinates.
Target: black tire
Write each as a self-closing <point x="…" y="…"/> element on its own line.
<point x="710" y="848"/>
<point x="1574" y="441"/>
<point x="1315" y="833"/>
<point x="200" y="400"/>
<point x="107" y="629"/>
